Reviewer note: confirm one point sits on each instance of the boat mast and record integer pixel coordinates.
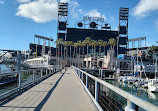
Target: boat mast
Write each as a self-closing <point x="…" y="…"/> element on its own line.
<point x="156" y="68"/>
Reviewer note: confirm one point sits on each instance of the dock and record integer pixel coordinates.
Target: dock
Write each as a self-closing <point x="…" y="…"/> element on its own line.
<point x="60" y="92"/>
<point x="72" y="89"/>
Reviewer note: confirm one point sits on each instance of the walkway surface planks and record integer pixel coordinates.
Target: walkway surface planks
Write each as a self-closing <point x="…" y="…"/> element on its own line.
<point x="60" y="92"/>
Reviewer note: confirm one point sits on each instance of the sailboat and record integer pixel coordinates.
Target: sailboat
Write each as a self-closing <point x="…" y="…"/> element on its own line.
<point x="153" y="83"/>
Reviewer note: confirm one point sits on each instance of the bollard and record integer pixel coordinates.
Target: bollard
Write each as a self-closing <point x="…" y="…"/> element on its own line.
<point x="96" y="90"/>
<point x="131" y="106"/>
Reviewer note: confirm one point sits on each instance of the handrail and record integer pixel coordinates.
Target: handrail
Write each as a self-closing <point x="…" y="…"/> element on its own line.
<point x="137" y="101"/>
<point x="34" y="81"/>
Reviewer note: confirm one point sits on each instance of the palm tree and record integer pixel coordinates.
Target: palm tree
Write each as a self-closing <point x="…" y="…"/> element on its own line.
<point x="153" y="49"/>
<point x="100" y="43"/>
<point x="104" y="45"/>
<point x="112" y="43"/>
<point x="70" y="44"/>
<point x="94" y="44"/>
<point x="87" y="42"/>
<point x="83" y="45"/>
<point x="79" y="44"/>
<point x="74" y="45"/>
<point x="57" y="50"/>
<point x="60" y="43"/>
<point x="64" y="44"/>
<point x="67" y="44"/>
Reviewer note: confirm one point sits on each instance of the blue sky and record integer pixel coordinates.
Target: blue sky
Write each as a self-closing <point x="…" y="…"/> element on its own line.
<point x="21" y="19"/>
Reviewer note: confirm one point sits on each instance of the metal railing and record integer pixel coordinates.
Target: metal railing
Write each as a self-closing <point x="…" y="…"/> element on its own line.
<point x="29" y="78"/>
<point x="109" y="97"/>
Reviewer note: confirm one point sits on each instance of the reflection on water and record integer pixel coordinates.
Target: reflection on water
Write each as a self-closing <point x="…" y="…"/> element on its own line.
<point x="139" y="92"/>
<point x="3" y="67"/>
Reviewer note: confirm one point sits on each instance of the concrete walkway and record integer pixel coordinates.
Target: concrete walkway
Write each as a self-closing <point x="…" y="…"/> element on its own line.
<point x="60" y="92"/>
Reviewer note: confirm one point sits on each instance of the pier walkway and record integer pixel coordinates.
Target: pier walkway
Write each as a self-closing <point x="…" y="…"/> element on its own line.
<point x="60" y="92"/>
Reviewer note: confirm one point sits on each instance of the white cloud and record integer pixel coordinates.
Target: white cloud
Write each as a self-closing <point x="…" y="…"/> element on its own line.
<point x="23" y="1"/>
<point x="64" y="1"/>
<point x="95" y="13"/>
<point x="40" y="11"/>
<point x="144" y="7"/>
<point x="1" y="1"/>
<point x="74" y="5"/>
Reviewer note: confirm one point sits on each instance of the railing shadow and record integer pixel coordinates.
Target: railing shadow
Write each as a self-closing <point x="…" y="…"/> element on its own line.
<point x="41" y="104"/>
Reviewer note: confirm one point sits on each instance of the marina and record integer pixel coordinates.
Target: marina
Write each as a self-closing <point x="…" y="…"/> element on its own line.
<point x="88" y="65"/>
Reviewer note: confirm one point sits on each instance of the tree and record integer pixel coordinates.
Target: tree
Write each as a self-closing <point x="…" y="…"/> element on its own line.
<point x="79" y="44"/>
<point x="104" y="45"/>
<point x="100" y="43"/>
<point x="74" y="45"/>
<point x="57" y="50"/>
<point x="87" y="42"/>
<point x="64" y="44"/>
<point x="67" y="44"/>
<point x="153" y="49"/>
<point x="112" y="43"/>
<point x="70" y="44"/>
<point x="82" y="45"/>
<point x="94" y="44"/>
<point x="60" y="43"/>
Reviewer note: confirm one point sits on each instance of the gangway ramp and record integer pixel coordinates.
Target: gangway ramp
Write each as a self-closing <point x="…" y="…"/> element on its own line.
<point x="61" y="92"/>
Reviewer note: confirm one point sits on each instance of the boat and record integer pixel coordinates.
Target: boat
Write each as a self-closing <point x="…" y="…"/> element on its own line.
<point x="120" y="78"/>
<point x="42" y="61"/>
<point x="141" y="82"/>
<point x="4" y="80"/>
<point x="129" y="79"/>
<point x="153" y="85"/>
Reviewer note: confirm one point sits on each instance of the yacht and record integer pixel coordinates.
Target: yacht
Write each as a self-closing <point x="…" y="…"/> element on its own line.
<point x="153" y="85"/>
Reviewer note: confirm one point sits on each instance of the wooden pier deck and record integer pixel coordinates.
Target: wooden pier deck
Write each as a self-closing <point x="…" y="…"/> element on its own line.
<point x="60" y="92"/>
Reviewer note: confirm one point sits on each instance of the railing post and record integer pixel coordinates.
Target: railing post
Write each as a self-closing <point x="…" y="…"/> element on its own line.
<point x="82" y="76"/>
<point x="96" y="90"/>
<point x="20" y="77"/>
<point x="18" y="66"/>
<point x="87" y="85"/>
<point x="54" y="69"/>
<point x="131" y="106"/>
<point x="41" y="73"/>
<point x="34" y="75"/>
<point x="46" y="72"/>
<point x="101" y="73"/>
<point x="50" y="71"/>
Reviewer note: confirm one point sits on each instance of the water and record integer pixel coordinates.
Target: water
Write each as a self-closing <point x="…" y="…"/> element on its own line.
<point x="139" y="92"/>
<point x="3" y="67"/>
<point x="25" y="79"/>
